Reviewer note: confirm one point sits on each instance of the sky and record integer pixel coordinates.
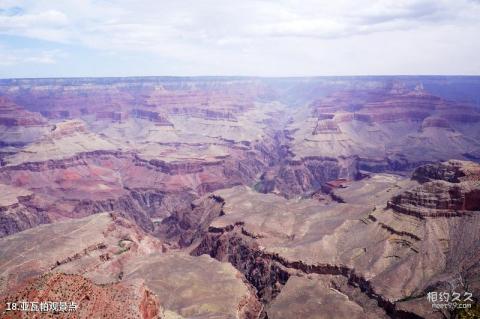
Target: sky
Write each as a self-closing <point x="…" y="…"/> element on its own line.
<point x="65" y="38"/>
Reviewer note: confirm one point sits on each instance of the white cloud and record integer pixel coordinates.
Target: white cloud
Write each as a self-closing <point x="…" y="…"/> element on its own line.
<point x="47" y="25"/>
<point x="11" y="57"/>
<point x="143" y="22"/>
<point x="267" y="37"/>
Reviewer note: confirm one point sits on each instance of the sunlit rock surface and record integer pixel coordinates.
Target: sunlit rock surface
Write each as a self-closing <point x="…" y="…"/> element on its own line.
<point x="112" y="261"/>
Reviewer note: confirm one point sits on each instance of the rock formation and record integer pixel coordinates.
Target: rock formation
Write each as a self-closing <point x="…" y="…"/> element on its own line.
<point x="110" y="267"/>
<point x="364" y="254"/>
<point x="240" y="197"/>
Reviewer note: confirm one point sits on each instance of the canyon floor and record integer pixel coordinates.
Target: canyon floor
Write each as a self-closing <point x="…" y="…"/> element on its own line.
<point x="225" y="197"/>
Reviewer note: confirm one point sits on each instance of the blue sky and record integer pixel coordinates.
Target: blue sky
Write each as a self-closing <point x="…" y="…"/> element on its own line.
<point x="264" y="37"/>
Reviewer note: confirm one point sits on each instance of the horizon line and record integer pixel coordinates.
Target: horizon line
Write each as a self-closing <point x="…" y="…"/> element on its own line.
<point x="239" y="76"/>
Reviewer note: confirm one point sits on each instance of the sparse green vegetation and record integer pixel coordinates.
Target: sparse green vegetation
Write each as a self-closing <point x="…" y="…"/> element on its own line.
<point x="124" y="245"/>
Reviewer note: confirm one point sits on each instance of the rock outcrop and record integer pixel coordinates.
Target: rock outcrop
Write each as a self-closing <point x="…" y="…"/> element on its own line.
<point x="382" y="124"/>
<point x="13" y="115"/>
<point x="18" y="211"/>
<point x="448" y="189"/>
<point x="356" y="249"/>
<point x="108" y="266"/>
<point x="82" y="298"/>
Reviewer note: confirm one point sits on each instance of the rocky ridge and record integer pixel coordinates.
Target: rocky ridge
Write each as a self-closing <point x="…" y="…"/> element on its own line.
<point x="106" y="259"/>
<point x="271" y="255"/>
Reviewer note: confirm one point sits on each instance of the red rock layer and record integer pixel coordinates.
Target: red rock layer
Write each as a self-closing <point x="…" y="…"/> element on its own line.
<point x="120" y="300"/>
<point x="381" y="105"/>
<point x="116" y="101"/>
<point x="13" y="115"/>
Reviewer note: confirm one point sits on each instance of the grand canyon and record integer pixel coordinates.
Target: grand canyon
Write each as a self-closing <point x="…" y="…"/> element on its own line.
<point x="240" y="197"/>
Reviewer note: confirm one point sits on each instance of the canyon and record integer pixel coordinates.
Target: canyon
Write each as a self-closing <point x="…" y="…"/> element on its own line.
<point x="240" y="197"/>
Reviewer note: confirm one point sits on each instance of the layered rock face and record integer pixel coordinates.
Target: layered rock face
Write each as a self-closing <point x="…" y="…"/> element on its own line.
<point x="19" y="126"/>
<point x="366" y="253"/>
<point x="18" y="211"/>
<point x="391" y="127"/>
<point x="239" y="197"/>
<point x="448" y="189"/>
<point x="298" y="177"/>
<point x="179" y="149"/>
<point x="107" y="145"/>
<point x="13" y="115"/>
